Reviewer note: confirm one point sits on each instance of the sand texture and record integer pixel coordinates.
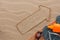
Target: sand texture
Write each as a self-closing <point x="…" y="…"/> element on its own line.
<point x="26" y="15"/>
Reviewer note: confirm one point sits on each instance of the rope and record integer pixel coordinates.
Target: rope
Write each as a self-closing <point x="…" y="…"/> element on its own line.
<point x="49" y="17"/>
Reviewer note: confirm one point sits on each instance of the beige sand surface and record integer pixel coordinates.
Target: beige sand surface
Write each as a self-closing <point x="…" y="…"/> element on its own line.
<point x="14" y="11"/>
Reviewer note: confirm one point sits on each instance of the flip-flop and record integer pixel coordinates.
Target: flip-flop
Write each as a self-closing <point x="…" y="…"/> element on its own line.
<point x="38" y="35"/>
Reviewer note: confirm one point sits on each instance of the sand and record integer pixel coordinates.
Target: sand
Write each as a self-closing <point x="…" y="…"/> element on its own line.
<point x="12" y="13"/>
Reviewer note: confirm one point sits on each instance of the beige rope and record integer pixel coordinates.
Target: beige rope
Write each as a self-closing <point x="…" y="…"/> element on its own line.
<point x="49" y="17"/>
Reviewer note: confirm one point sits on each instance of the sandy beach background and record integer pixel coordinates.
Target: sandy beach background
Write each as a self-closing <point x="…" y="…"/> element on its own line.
<point x="13" y="12"/>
